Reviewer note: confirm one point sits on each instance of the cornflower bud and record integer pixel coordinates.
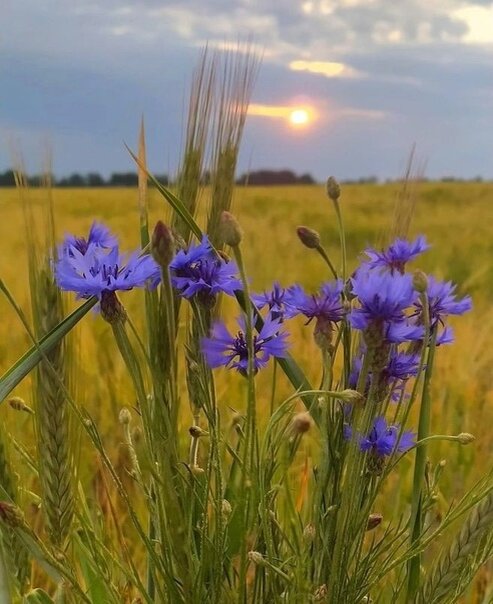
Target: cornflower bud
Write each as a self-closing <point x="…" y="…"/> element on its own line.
<point x="17" y="403"/>
<point x="302" y="422"/>
<point x="351" y="396"/>
<point x="229" y="229"/>
<point x="112" y="309"/>
<point x="373" y="521"/>
<point x="308" y="237"/>
<point x="465" y="438"/>
<point x="197" y="432"/>
<point x="420" y="282"/>
<point x="162" y="244"/>
<point x="333" y="188"/>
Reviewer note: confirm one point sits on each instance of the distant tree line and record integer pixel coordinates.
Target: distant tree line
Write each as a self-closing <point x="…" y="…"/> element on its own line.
<point x="92" y="179"/>
<point x="130" y="179"/>
<point x="256" y="177"/>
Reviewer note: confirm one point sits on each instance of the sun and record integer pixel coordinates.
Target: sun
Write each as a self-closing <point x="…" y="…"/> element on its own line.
<point x="299" y="117"/>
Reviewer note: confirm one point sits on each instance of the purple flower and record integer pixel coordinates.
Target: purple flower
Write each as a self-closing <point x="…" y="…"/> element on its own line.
<point x="199" y="270"/>
<point x="223" y="349"/>
<point x="396" y="255"/>
<point x="402" y="366"/>
<point x="383" y="439"/>
<point x="275" y="300"/>
<point x="97" y="270"/>
<point x="325" y="304"/>
<point x="383" y="299"/>
<point x="442" y="301"/>
<point x="99" y="236"/>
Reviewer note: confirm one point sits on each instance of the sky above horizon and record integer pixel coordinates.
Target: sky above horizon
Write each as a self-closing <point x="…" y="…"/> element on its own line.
<point x="374" y="77"/>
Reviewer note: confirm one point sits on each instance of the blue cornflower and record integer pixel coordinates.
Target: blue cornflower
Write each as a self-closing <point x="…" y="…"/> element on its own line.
<point x="383" y="439"/>
<point x="326" y="307"/>
<point x="200" y="270"/>
<point x="396" y="255"/>
<point x="325" y="304"/>
<point x="383" y="299"/>
<point x="97" y="271"/>
<point x="99" y="235"/>
<point x="223" y="349"/>
<point x="442" y="301"/>
<point x="275" y="300"/>
<point x="402" y="366"/>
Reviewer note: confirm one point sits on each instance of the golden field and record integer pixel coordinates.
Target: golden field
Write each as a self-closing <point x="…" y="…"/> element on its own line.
<point x="456" y="218"/>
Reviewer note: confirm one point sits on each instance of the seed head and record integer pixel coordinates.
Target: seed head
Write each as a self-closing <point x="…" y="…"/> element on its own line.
<point x="162" y="244"/>
<point x="302" y="422"/>
<point x="308" y="237"/>
<point x="230" y="231"/>
<point x="351" y="396"/>
<point x="226" y="509"/>
<point x="309" y="533"/>
<point x="10" y="514"/>
<point x="197" y="432"/>
<point x="124" y="417"/>
<point x="333" y="188"/>
<point x="256" y="558"/>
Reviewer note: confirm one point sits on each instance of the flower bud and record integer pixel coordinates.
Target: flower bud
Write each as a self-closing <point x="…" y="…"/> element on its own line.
<point x="112" y="309"/>
<point x="351" y="396"/>
<point x="333" y="188"/>
<point x="302" y="422"/>
<point x="17" y="403"/>
<point x="124" y="417"/>
<point x="420" y="282"/>
<point x="465" y="438"/>
<point x="308" y="237"/>
<point x="229" y="229"/>
<point x="197" y="432"/>
<point x="162" y="244"/>
<point x="373" y="521"/>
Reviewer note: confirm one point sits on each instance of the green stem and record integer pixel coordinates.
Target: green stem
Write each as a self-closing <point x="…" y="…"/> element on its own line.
<point x="416" y="518"/>
<point x="342" y="236"/>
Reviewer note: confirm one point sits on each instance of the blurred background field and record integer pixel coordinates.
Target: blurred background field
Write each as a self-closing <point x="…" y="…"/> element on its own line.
<point x="456" y="219"/>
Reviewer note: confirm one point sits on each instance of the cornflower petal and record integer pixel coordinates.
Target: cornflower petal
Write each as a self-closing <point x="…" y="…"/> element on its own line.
<point x="396" y="255"/>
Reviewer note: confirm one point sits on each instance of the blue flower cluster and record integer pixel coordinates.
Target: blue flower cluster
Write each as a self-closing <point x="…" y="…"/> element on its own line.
<point x="380" y="301"/>
<point x="93" y="266"/>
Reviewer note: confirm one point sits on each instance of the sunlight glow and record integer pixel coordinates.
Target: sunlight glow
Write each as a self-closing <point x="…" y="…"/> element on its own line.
<point x="296" y="116"/>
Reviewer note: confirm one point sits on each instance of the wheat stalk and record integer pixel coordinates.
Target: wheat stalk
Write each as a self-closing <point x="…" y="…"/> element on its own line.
<point x="446" y="575"/>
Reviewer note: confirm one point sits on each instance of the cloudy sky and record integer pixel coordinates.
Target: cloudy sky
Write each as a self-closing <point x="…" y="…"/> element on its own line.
<point x="373" y="76"/>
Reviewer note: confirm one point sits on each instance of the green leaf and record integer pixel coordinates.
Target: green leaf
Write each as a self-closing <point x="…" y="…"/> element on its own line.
<point x="174" y="202"/>
<point x="34" y="355"/>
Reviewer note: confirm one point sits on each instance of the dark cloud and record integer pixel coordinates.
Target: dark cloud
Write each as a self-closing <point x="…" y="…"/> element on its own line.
<point x="89" y="69"/>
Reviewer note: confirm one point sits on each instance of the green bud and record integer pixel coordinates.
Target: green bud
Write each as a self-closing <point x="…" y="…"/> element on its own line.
<point x="465" y="438"/>
<point x="420" y="282"/>
<point x="333" y="188"/>
<point x="162" y="244"/>
<point x="373" y="521"/>
<point x="308" y="237"/>
<point x="229" y="230"/>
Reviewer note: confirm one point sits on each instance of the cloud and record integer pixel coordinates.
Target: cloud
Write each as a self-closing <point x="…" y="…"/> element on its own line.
<point x="479" y="22"/>
<point x="329" y="69"/>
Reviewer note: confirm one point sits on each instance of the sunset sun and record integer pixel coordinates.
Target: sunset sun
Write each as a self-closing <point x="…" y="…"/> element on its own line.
<point x="299" y="117"/>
